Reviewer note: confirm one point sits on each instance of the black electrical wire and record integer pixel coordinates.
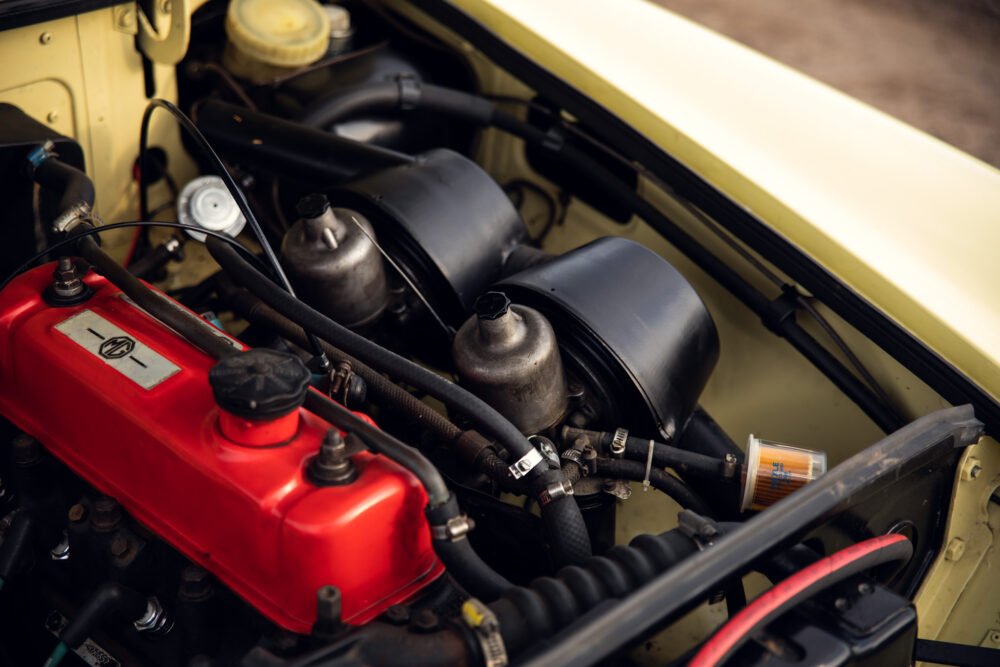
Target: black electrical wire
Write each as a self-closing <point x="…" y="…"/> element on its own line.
<point x="231" y="185"/>
<point x="76" y="235"/>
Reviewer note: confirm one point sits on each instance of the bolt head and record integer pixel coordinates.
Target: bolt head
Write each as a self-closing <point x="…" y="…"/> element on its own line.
<point x="107" y="514"/>
<point x="126" y="19"/>
<point x="119" y="546"/>
<point x="971" y="469"/>
<point x="77" y="512"/>
<point x="196" y="583"/>
<point x="45" y="38"/>
<point x="397" y="614"/>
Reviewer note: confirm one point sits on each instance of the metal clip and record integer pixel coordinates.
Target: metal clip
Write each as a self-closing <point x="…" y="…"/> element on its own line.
<point x="574" y="455"/>
<point x="555" y="491"/>
<point x="409" y="91"/>
<point x="701" y="530"/>
<point x="486" y="627"/>
<point x="526" y="463"/>
<point x="618" y="443"/>
<point x="73" y="216"/>
<point x="454" y="530"/>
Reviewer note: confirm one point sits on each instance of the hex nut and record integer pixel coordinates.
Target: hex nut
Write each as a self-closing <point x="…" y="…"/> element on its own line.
<point x="955" y="549"/>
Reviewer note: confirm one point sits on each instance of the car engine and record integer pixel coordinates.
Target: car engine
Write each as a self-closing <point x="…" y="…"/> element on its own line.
<point x="336" y="401"/>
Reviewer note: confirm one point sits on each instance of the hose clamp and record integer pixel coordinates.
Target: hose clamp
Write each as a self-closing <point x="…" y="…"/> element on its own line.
<point x="555" y="491"/>
<point x="574" y="455"/>
<point x="409" y="92"/>
<point x="484" y="624"/>
<point x="40" y="154"/>
<point x="700" y="530"/>
<point x="76" y="214"/>
<point x="618" y="443"/>
<point x="526" y="463"/>
<point x="455" y="529"/>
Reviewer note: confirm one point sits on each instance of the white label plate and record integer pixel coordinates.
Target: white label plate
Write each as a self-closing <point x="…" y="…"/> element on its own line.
<point x="118" y="349"/>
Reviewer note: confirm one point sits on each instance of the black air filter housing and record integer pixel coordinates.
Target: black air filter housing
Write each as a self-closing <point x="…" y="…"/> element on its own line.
<point x="631" y="325"/>
<point x="445" y="220"/>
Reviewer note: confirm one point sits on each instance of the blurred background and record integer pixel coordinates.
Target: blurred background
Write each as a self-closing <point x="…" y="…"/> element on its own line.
<point x="932" y="63"/>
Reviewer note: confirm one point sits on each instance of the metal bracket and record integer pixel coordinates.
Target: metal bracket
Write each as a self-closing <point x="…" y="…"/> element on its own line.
<point x="167" y="47"/>
<point x="486" y="627"/>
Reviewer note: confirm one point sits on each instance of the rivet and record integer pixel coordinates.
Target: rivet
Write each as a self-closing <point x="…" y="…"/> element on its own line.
<point x="45" y="37"/>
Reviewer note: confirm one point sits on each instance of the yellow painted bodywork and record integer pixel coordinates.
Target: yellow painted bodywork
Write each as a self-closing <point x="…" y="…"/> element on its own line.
<point x="83" y="76"/>
<point x="905" y="220"/>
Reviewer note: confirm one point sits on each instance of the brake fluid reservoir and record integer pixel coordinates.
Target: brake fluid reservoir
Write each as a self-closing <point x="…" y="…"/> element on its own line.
<point x="774" y="470"/>
<point x="268" y="38"/>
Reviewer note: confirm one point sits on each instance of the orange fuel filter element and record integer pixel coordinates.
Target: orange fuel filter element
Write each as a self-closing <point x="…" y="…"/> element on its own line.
<point x="774" y="470"/>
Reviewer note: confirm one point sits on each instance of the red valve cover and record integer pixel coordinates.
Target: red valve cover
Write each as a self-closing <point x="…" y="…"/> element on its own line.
<point x="247" y="514"/>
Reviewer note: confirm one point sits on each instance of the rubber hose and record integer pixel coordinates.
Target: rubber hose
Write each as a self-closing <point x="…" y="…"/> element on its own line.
<point x="109" y="600"/>
<point x="703" y="436"/>
<point x="565" y="530"/>
<point x="497" y="469"/>
<point x="658" y="479"/>
<point x="327" y="110"/>
<point x="344" y="104"/>
<point x="461" y="560"/>
<point x="376" y="356"/>
<point x="665" y="456"/>
<point x="383" y="443"/>
<point x="63" y="186"/>
<point x="382" y="390"/>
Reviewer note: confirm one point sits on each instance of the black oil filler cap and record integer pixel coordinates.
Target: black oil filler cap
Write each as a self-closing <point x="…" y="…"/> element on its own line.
<point x="260" y="383"/>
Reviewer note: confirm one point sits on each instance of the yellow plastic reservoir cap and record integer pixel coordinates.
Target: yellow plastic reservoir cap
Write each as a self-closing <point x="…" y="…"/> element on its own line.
<point x="286" y="33"/>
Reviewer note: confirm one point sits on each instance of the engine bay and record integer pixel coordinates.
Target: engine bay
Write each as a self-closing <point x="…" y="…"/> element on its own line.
<point x="401" y="363"/>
